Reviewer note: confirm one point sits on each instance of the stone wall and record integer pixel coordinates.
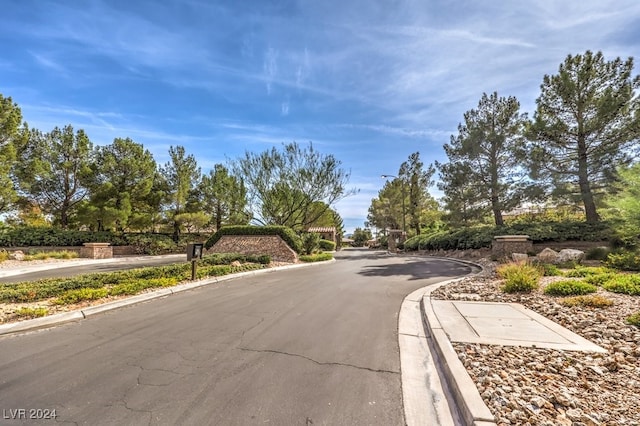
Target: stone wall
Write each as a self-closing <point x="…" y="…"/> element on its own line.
<point x="96" y="251"/>
<point x="272" y="245"/>
<point x="506" y="245"/>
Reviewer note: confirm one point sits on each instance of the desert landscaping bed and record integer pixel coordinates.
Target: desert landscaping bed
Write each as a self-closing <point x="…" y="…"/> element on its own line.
<point x="533" y="386"/>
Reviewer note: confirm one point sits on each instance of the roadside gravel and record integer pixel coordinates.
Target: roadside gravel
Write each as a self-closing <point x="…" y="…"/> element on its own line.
<point x="533" y="386"/>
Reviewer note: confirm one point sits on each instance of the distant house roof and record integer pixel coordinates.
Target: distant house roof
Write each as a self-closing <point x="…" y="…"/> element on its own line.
<point x="322" y="229"/>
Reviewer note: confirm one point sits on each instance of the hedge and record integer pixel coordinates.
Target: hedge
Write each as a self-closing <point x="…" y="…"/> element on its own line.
<point x="25" y="236"/>
<point x="482" y="236"/>
<point x="287" y="234"/>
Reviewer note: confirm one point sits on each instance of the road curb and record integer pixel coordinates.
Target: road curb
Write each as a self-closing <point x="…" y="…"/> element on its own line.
<point x="56" y="319"/>
<point x="462" y="390"/>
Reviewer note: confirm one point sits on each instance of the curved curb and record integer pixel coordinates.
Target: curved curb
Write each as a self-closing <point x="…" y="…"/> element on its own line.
<point x="56" y="319"/>
<point x="463" y="391"/>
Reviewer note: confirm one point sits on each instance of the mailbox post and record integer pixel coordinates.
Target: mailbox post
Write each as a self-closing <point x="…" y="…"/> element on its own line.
<point x="194" y="252"/>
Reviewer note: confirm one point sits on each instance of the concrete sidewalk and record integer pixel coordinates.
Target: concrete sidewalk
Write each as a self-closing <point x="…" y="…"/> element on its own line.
<point x="506" y="324"/>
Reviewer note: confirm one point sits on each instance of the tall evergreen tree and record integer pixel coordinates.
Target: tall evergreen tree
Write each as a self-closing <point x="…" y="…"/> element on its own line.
<point x="10" y="133"/>
<point x="57" y="171"/>
<point x="182" y="175"/>
<point x="417" y="181"/>
<point x="123" y="177"/>
<point x="587" y="119"/>
<point x="487" y="153"/>
<point x="224" y="197"/>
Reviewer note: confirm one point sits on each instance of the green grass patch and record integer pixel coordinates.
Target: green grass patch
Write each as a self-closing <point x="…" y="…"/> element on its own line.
<point x="318" y="257"/>
<point x="43" y="255"/>
<point x="586" y="271"/>
<point x="625" y="284"/>
<point x="519" y="277"/>
<point x="624" y="261"/>
<point x="81" y="294"/>
<point x="634" y="319"/>
<point x="589" y="301"/>
<point x="126" y="282"/>
<point x="600" y="279"/>
<point x="569" y="288"/>
<point x="31" y="312"/>
<point x="550" y="270"/>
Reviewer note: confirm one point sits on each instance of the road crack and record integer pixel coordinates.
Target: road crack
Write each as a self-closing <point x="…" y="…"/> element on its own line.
<point x="337" y="364"/>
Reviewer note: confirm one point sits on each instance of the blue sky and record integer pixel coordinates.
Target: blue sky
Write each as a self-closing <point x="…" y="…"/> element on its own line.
<point x="369" y="81"/>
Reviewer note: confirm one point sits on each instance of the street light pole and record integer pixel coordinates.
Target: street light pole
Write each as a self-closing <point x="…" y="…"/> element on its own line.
<point x="404" y="210"/>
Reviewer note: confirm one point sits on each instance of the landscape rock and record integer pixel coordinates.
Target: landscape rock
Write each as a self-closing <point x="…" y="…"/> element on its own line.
<point x="570" y="255"/>
<point x="519" y="257"/>
<point x="548" y="256"/>
<point x="17" y="255"/>
<point x="537" y="386"/>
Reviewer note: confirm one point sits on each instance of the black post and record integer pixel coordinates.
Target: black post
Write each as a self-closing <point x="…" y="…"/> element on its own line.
<point x="193" y="269"/>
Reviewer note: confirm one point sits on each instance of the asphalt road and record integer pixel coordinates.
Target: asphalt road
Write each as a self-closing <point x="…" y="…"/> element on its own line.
<point x="310" y="346"/>
<point x="61" y="271"/>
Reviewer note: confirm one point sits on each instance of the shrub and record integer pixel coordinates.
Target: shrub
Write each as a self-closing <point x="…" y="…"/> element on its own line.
<point x="310" y="242"/>
<point x="519" y="277"/>
<point x="327" y="245"/>
<point x="4" y="255"/>
<point x="31" y="312"/>
<point x="550" y="270"/>
<point x="625" y="261"/>
<point x="599" y="279"/>
<point x="569" y="288"/>
<point x="320" y="257"/>
<point x="42" y="255"/>
<point x="589" y="301"/>
<point x="597" y="253"/>
<point x="585" y="271"/>
<point x="634" y="319"/>
<point x="74" y="296"/>
<point x="127" y="288"/>
<point x="624" y="283"/>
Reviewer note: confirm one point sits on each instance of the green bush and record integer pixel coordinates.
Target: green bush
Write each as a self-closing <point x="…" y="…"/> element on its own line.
<point x="624" y="283"/>
<point x="589" y="301"/>
<point x="4" y="255"/>
<point x="585" y="271"/>
<point x="599" y="279"/>
<point x="597" y="253"/>
<point x="319" y="257"/>
<point x="74" y="296"/>
<point x="42" y="255"/>
<point x="519" y="277"/>
<point x="327" y="245"/>
<point x="550" y="270"/>
<point x="26" y="236"/>
<point x="310" y="242"/>
<point x="31" y="312"/>
<point x="285" y="233"/>
<point x="569" y="288"/>
<point x="634" y="319"/>
<point x="482" y="236"/>
<point x="624" y="261"/>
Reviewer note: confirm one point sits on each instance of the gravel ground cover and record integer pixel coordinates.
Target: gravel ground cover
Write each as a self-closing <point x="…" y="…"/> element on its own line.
<point x="533" y="386"/>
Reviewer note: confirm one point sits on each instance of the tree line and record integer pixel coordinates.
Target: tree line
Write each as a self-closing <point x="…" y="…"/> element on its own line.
<point x="60" y="178"/>
<point x="582" y="139"/>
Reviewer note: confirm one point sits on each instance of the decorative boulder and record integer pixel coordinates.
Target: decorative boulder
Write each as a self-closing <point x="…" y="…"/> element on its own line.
<point x="17" y="255"/>
<point x="520" y="257"/>
<point x="570" y="255"/>
<point x="548" y="256"/>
